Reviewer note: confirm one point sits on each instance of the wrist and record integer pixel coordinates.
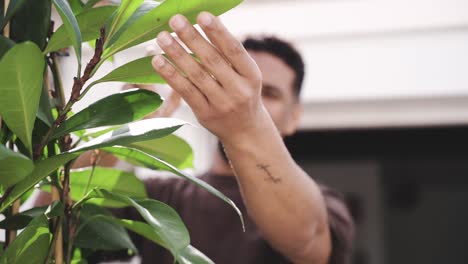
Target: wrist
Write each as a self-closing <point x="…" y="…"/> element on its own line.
<point x="261" y="130"/>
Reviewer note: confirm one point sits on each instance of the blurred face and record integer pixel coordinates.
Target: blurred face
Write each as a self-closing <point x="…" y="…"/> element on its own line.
<point x="278" y="92"/>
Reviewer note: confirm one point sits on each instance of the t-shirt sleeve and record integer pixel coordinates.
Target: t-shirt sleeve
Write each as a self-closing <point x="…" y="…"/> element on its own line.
<point x="342" y="226"/>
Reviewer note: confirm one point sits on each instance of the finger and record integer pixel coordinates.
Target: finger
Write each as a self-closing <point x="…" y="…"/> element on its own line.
<point x="187" y="64"/>
<point x="209" y="55"/>
<point x="179" y="83"/>
<point x="231" y="48"/>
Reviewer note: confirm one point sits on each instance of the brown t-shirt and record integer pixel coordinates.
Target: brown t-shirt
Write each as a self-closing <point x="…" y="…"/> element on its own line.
<point x="215" y="228"/>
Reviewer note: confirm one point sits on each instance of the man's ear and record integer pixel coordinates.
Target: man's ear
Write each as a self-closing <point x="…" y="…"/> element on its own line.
<point x="294" y="120"/>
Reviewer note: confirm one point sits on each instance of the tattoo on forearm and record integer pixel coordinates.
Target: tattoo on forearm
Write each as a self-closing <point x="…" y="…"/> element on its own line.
<point x="265" y="168"/>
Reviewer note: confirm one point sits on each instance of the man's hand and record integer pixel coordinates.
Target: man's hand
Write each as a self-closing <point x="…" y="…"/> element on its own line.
<point x="224" y="92"/>
<point x="224" y="89"/>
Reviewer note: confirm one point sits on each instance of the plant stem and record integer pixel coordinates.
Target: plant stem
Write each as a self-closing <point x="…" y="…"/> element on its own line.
<point x="14" y="210"/>
<point x="75" y="94"/>
<point x="6" y="29"/>
<point x="58" y="236"/>
<point x="94" y="160"/>
<point x="53" y="246"/>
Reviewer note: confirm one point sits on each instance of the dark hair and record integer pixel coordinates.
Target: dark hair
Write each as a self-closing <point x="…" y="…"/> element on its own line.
<point x="282" y="50"/>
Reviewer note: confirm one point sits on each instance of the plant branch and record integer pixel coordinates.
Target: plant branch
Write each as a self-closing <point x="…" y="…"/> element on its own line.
<point x="53" y="248"/>
<point x="78" y="84"/>
<point x="95" y="157"/>
<point x="6" y="29"/>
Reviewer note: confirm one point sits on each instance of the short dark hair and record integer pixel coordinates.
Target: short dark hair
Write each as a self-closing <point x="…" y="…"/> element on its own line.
<point x="282" y="50"/>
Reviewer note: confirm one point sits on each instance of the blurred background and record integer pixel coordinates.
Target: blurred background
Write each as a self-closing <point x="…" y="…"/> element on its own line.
<point x="386" y="115"/>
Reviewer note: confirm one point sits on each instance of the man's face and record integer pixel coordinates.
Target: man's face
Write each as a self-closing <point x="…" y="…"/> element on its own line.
<point x="278" y="93"/>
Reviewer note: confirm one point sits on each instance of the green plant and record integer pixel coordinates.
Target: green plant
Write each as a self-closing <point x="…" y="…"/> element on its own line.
<point x="40" y="137"/>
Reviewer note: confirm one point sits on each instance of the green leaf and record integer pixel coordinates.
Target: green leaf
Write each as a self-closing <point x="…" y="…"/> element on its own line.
<point x="41" y="170"/>
<point x="123" y="13"/>
<point x="32" y="22"/>
<point x="144" y="8"/>
<point x="76" y="6"/>
<point x="21" y="220"/>
<point x="116" y="109"/>
<point x="165" y="222"/>
<point x="134" y="132"/>
<point x="21" y="69"/>
<point x="45" y="109"/>
<point x="131" y="133"/>
<point x="187" y="255"/>
<point x="96" y="232"/>
<point x="31" y="246"/>
<point x="5" y="45"/>
<point x="78" y="258"/>
<point x="171" y="149"/>
<point x="55" y="209"/>
<point x="113" y="180"/>
<point x="191" y="255"/>
<point x="155" y="21"/>
<point x="71" y="26"/>
<point x="154" y="162"/>
<point x="90" y="22"/>
<point x="14" y="166"/>
<point x="13" y="7"/>
<point x="139" y="71"/>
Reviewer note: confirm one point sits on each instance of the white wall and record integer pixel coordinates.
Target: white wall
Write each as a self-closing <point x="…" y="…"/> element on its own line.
<point x="360" y="53"/>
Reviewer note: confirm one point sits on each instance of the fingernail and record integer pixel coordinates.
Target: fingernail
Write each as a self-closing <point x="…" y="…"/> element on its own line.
<point x="159" y="61"/>
<point x="164" y="39"/>
<point x="205" y="19"/>
<point x="177" y="22"/>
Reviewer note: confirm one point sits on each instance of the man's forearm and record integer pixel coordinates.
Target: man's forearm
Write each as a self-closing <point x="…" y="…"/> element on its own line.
<point x="280" y="197"/>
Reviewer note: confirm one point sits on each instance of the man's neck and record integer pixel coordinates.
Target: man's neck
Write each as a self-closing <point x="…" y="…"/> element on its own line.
<point x="220" y="167"/>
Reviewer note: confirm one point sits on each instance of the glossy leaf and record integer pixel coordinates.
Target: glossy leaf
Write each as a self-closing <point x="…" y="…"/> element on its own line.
<point x="188" y="255"/>
<point x="131" y="133"/>
<point x="154" y="162"/>
<point x="144" y="8"/>
<point x="71" y="26"/>
<point x="116" y="109"/>
<point x="155" y="21"/>
<point x="45" y="109"/>
<point x="13" y="7"/>
<point x="113" y="180"/>
<point x="97" y="233"/>
<point x="41" y="170"/>
<point x="5" y="45"/>
<point x="123" y="13"/>
<point x="55" y="209"/>
<point x="191" y="255"/>
<point x="89" y="22"/>
<point x="31" y="246"/>
<point x="36" y="13"/>
<point x="21" y="220"/>
<point x="14" y="166"/>
<point x="134" y="132"/>
<point x="21" y="69"/>
<point x="139" y="71"/>
<point x="76" y="6"/>
<point x="164" y="220"/>
<point x="171" y="149"/>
